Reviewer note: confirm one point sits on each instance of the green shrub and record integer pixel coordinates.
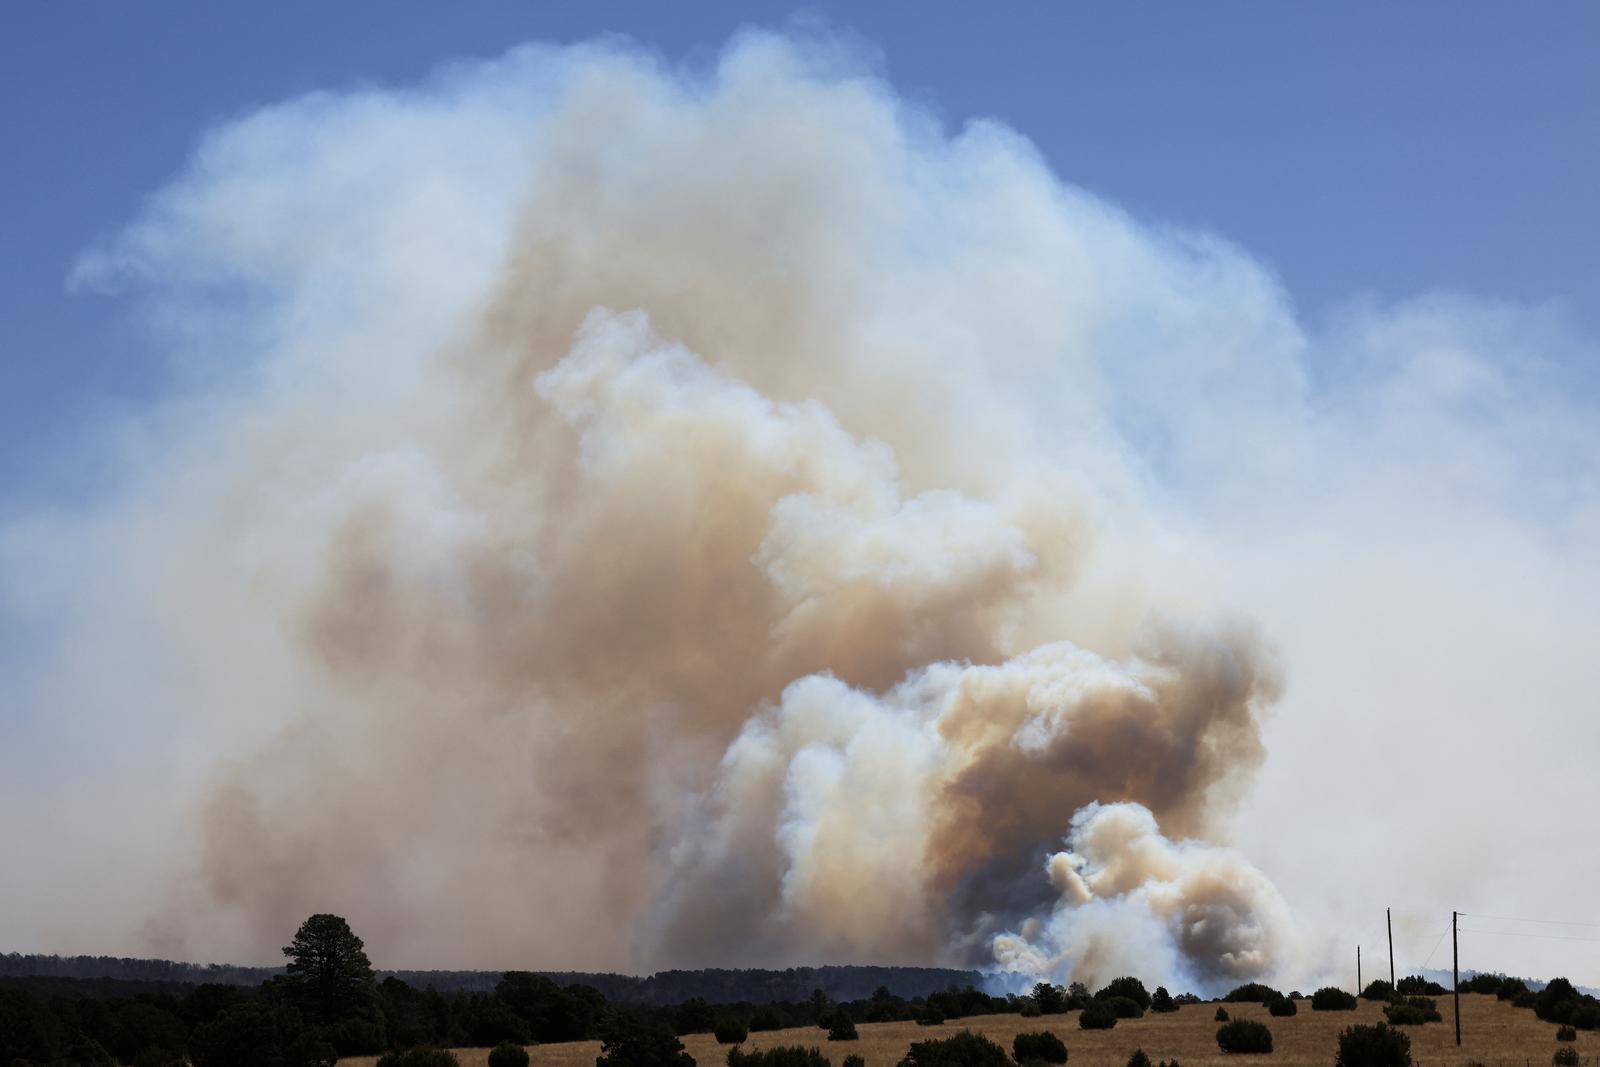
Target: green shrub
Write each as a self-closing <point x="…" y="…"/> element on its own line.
<point x="1586" y="1016"/>
<point x="1049" y="999"/>
<point x="1161" y="1001"/>
<point x="1510" y="989"/>
<point x="782" y="1056"/>
<point x="730" y="1031"/>
<point x="1221" y="1016"/>
<point x="931" y="1017"/>
<point x="1414" y="985"/>
<point x="855" y="1060"/>
<point x="1131" y="988"/>
<point x="1139" y="1059"/>
<point x="1244" y="1035"/>
<point x="505" y="1054"/>
<point x="1329" y="998"/>
<point x="1373" y="1046"/>
<point x="1252" y="993"/>
<point x="1566" y="1033"/>
<point x="1097" y="1016"/>
<point x="1125" y="1007"/>
<point x="965" y="1049"/>
<point x="1378" y="990"/>
<point x="630" y="1042"/>
<point x="842" y="1029"/>
<point x="421" y="1056"/>
<point x="1411" y="1011"/>
<point x="1565" y="1057"/>
<point x="1039" y="1047"/>
<point x="765" y="1019"/>
<point x="1556" y="1001"/>
<point x="1282" y="1008"/>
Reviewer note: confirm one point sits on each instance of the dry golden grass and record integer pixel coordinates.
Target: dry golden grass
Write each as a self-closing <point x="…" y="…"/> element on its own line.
<point x="1492" y="1032"/>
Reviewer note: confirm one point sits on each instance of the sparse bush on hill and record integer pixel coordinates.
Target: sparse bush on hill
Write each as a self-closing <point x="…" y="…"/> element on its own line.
<point x="1414" y="985"/>
<point x="1125" y="1007"/>
<point x="1283" y="1007"/>
<point x="630" y="1042"/>
<point x="1139" y="1059"/>
<point x="1244" y="1035"/>
<point x="1566" y="1033"/>
<point x="1481" y="983"/>
<point x="419" y="1057"/>
<point x="1040" y="1047"/>
<point x="1378" y="989"/>
<point x="1252" y="993"/>
<point x="965" y="1049"/>
<point x="506" y="1054"/>
<point x="1050" y="999"/>
<point x="1523" y="999"/>
<point x="855" y="1059"/>
<point x="1131" y="988"/>
<point x="1510" y="989"/>
<point x="765" y="1019"/>
<point x="730" y="1031"/>
<point x="1373" y="1046"/>
<point x="782" y="1056"/>
<point x="1411" y="1011"/>
<point x="694" y="1016"/>
<point x="1586" y="1016"/>
<point x="1161" y="1001"/>
<point x="932" y="1017"/>
<point x="1329" y="998"/>
<point x="842" y="1029"/>
<point x="1097" y="1016"/>
<point x="1566" y="1057"/>
<point x="1221" y="1016"/>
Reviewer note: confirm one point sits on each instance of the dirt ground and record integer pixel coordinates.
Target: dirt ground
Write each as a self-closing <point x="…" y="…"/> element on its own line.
<point x="1492" y="1033"/>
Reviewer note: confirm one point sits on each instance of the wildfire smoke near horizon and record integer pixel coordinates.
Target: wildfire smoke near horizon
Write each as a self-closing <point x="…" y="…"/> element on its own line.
<point x="626" y="517"/>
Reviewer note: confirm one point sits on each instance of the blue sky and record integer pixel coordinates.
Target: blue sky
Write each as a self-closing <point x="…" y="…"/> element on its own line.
<point x="1367" y="148"/>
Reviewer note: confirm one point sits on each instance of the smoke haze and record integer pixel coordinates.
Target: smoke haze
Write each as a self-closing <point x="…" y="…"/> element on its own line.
<point x="622" y="516"/>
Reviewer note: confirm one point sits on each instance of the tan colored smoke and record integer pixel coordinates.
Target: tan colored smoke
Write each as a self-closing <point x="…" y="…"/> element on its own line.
<point x="714" y="550"/>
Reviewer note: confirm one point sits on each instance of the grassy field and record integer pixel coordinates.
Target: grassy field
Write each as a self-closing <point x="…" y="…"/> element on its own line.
<point x="1492" y="1032"/>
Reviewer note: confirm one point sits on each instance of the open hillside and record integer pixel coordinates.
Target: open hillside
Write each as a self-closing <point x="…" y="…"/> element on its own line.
<point x="1493" y="1033"/>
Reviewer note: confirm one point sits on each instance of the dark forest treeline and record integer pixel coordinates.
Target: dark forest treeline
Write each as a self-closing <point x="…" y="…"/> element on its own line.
<point x="719" y="985"/>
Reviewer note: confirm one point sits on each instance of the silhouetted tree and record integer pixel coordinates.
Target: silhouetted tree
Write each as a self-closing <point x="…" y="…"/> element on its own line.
<point x="329" y="977"/>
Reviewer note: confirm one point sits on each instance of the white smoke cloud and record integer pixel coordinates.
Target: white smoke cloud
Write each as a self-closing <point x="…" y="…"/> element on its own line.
<point x="623" y="516"/>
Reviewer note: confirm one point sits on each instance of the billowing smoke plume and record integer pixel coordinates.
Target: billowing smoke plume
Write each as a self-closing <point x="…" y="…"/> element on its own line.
<point x="632" y="517"/>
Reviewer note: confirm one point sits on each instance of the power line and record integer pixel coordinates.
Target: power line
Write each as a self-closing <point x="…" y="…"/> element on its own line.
<point x="1435" y="948"/>
<point x="1543" y="937"/>
<point x="1514" y="919"/>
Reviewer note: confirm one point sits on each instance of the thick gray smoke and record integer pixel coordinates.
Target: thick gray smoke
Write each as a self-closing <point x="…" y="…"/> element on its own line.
<point x="633" y="517"/>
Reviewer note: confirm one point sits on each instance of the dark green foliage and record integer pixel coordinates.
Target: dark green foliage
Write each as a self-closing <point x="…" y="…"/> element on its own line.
<point x="1523" y="1000"/>
<point x="1252" y="993"/>
<point x="694" y="1016"/>
<point x="1051" y="999"/>
<point x="1566" y="1033"/>
<point x="1039" y="1047"/>
<point x="1244" y="1035"/>
<point x="931" y="1017"/>
<point x="854" y="1060"/>
<point x="1373" y="1046"/>
<point x="842" y="1029"/>
<point x="1097" y="1016"/>
<point x="150" y="1057"/>
<point x="86" y="1052"/>
<point x="1282" y="1008"/>
<point x="765" y="1019"/>
<point x="631" y="1042"/>
<point x="506" y="1054"/>
<point x="1566" y="1057"/>
<point x="548" y="1012"/>
<point x="329" y="977"/>
<point x="258" y="1033"/>
<point x="730" y="1031"/>
<point x="1510" y="989"/>
<point x="1139" y="1059"/>
<point x="1222" y="1015"/>
<point x="965" y="1049"/>
<point x="1415" y="985"/>
<point x="1131" y="988"/>
<point x="783" y="1056"/>
<point x="422" y="1056"/>
<point x="1378" y="989"/>
<point x="1411" y="1011"/>
<point x="1161" y="1001"/>
<point x="1586" y="1016"/>
<point x="1330" y="998"/>
<point x="1125" y="1007"/>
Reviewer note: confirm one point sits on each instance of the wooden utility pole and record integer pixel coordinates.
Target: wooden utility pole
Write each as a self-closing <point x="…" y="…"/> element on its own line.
<point x="1388" y="920"/>
<point x="1455" y="972"/>
<point x="1358" y="970"/>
